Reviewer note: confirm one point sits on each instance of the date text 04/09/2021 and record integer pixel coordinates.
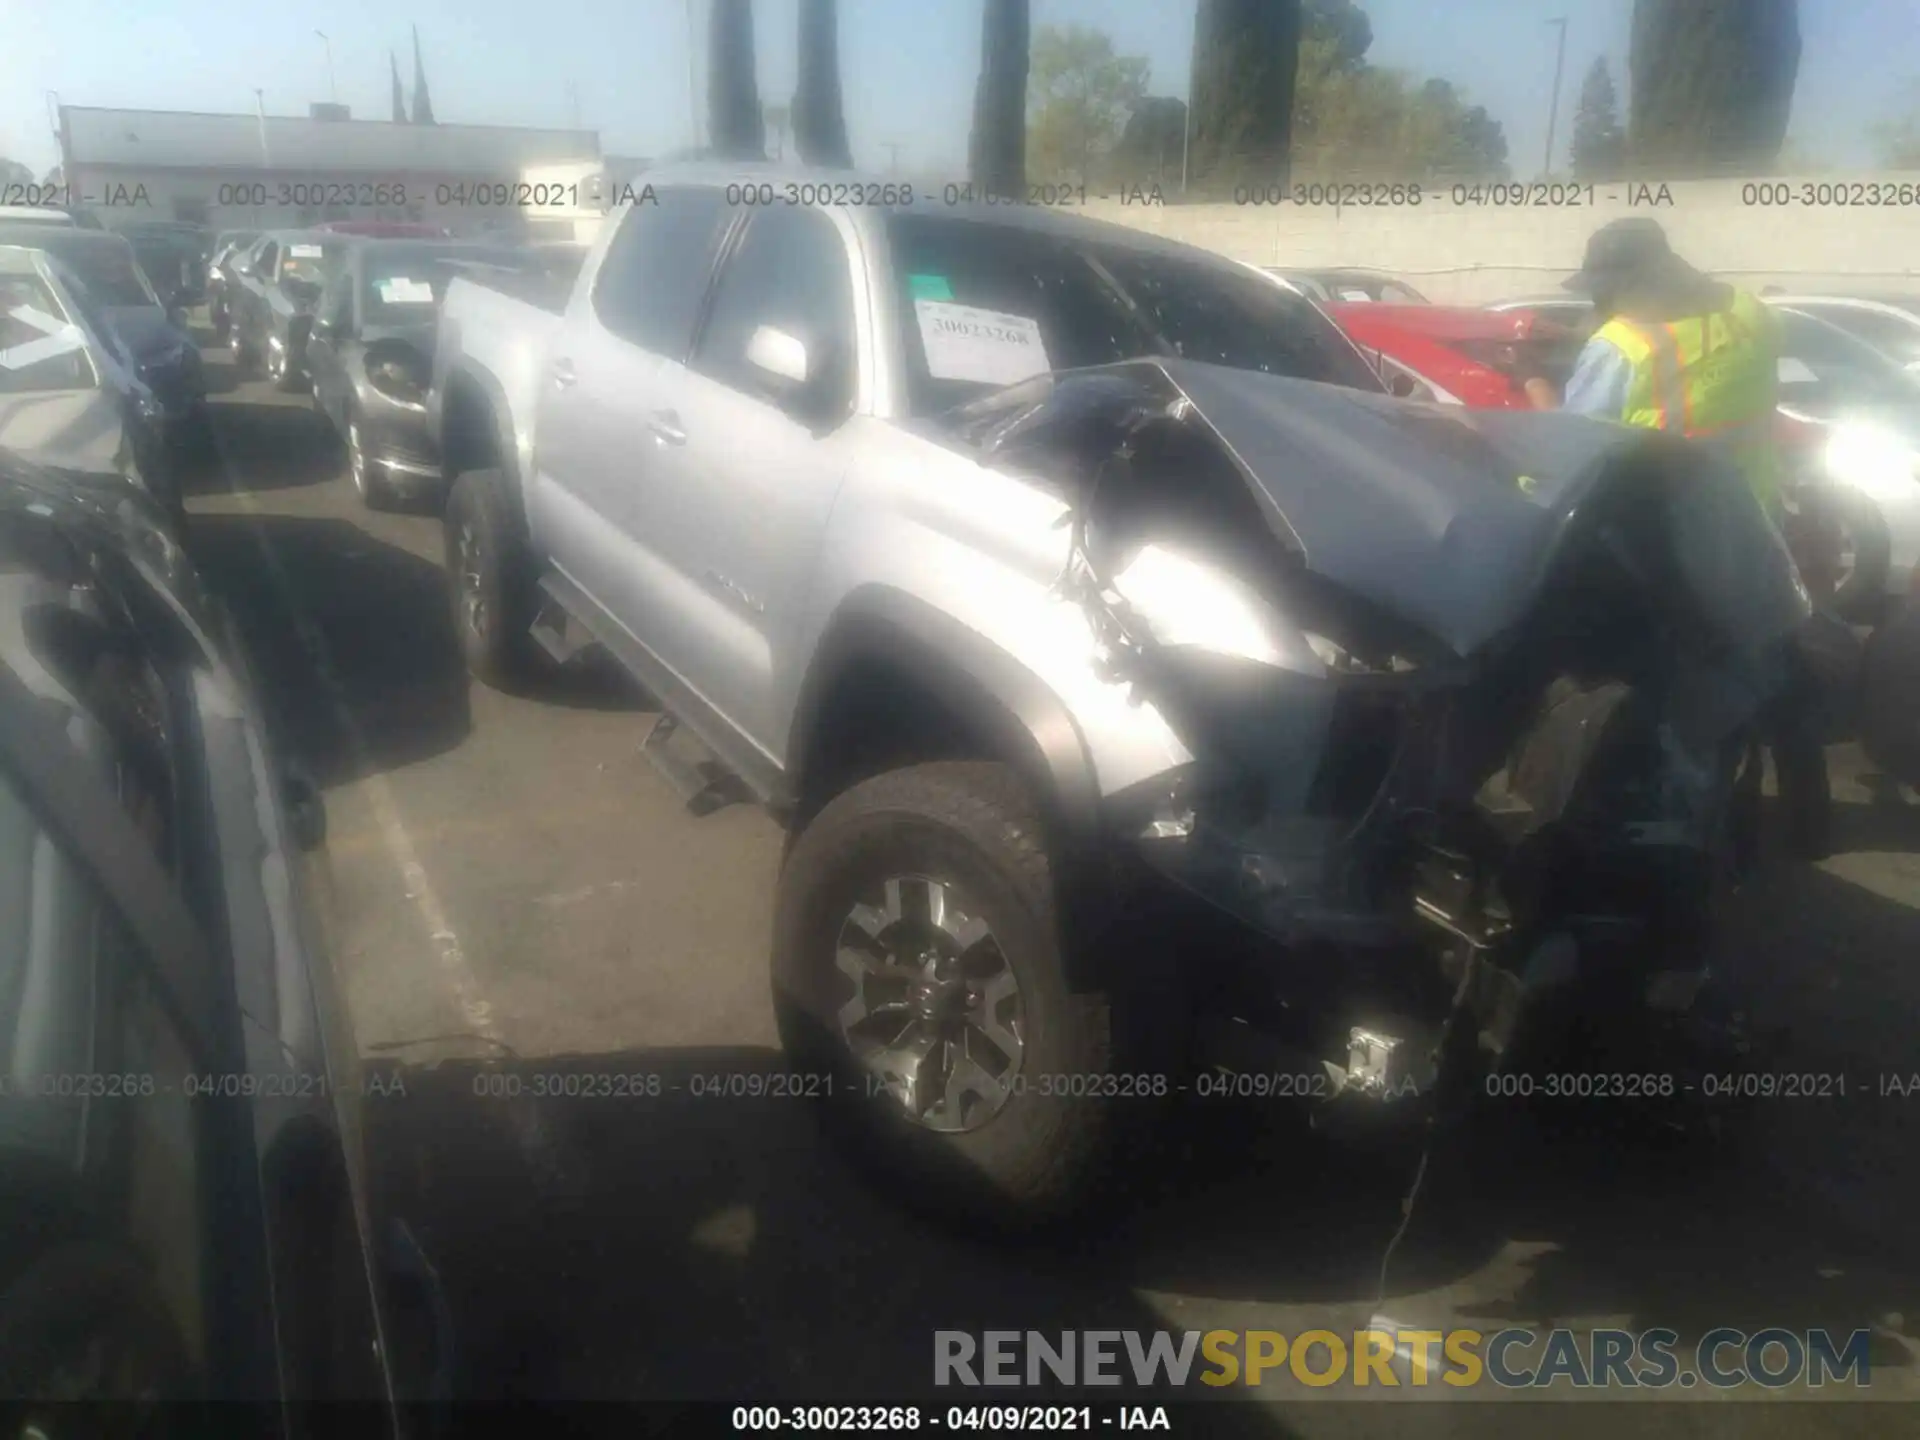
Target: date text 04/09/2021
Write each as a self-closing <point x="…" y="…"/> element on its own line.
<point x="964" y="1419"/>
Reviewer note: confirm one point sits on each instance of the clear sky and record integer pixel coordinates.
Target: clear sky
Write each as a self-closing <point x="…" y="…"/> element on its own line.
<point x="908" y="65"/>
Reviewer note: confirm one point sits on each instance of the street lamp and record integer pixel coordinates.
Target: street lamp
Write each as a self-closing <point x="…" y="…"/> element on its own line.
<point x="333" y="92"/>
<point x="1553" y="112"/>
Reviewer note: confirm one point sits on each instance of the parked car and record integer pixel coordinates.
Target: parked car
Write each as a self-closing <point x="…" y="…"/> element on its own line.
<point x="1850" y="437"/>
<point x="370" y="357"/>
<point x="1350" y="286"/>
<point x="228" y="247"/>
<point x="280" y="280"/>
<point x="174" y="256"/>
<point x="35" y="215"/>
<point x="1038" y="570"/>
<point x="70" y="394"/>
<point x="385" y="229"/>
<point x="1891" y="323"/>
<point x="184" y="1211"/>
<point x="1457" y="355"/>
<point x="150" y="325"/>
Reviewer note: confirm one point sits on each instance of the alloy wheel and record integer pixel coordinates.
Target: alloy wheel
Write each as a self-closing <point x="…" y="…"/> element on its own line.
<point x="356" y="458"/>
<point x="936" y="1018"/>
<point x="471" y="579"/>
<point x="276" y="365"/>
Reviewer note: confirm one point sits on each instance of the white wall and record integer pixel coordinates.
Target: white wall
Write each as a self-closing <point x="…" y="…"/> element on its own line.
<point x="118" y="196"/>
<point x="1473" y="253"/>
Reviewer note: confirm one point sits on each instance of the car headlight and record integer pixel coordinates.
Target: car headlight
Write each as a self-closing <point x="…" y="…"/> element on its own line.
<point x="1187" y="603"/>
<point x="1879" y="463"/>
<point x="149" y="408"/>
<point x="397" y="381"/>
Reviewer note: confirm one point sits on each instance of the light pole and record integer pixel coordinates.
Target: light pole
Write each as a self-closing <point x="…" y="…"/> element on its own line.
<point x="333" y="91"/>
<point x="1186" y="118"/>
<point x="693" y="89"/>
<point x="1553" y="112"/>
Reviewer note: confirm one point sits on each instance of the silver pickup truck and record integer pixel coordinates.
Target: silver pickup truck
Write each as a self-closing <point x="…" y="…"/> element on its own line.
<point x="1059" y="586"/>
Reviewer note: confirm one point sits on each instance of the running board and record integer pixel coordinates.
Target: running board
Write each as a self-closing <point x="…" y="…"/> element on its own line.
<point x="555" y="630"/>
<point x="702" y="783"/>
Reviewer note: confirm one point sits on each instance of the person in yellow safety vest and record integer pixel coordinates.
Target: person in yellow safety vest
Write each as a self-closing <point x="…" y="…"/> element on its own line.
<point x="1676" y="350"/>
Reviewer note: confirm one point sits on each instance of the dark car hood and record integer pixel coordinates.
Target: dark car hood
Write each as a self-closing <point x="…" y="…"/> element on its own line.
<point x="1448" y="518"/>
<point x="147" y="331"/>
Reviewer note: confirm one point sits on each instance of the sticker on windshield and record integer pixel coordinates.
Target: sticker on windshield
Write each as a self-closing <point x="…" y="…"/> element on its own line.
<point x="1355" y="295"/>
<point x="986" y="347"/>
<point x="57" y="337"/>
<point x="1795" y="372"/>
<point x="929" y="287"/>
<point x="306" y="252"/>
<point x="401" y="291"/>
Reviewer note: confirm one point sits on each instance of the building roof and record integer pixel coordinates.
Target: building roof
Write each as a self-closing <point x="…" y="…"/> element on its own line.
<point x="176" y="139"/>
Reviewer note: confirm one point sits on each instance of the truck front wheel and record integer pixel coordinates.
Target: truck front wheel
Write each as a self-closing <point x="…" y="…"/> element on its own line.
<point x="922" y="994"/>
<point x="490" y="572"/>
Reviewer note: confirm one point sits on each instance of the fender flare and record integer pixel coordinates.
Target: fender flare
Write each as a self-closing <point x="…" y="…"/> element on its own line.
<point x="996" y="695"/>
<point x="506" y="446"/>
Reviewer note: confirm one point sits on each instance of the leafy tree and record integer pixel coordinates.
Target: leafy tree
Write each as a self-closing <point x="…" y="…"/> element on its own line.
<point x="1599" y="140"/>
<point x="736" y="128"/>
<point x="1712" y="83"/>
<point x="1079" y="94"/>
<point x="1355" y="119"/>
<point x="1246" y="62"/>
<point x="12" y="172"/>
<point x="819" y="119"/>
<point x="1345" y="29"/>
<point x="997" y="148"/>
<point x="1149" y="149"/>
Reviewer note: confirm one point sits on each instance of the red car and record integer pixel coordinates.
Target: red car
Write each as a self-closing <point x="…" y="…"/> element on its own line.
<point x="385" y="229"/>
<point x="1457" y="354"/>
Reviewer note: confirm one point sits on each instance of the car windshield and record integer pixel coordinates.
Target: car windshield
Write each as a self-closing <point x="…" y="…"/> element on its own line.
<point x="305" y="263"/>
<point x="38" y="351"/>
<point x="404" y="285"/>
<point x="986" y="305"/>
<point x="1823" y="369"/>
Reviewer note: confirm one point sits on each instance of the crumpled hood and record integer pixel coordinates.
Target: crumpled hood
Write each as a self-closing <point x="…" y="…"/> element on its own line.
<point x="1451" y="518"/>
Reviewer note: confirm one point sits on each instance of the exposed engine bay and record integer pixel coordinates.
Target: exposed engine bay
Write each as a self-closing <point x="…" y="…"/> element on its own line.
<point x="1468" y="686"/>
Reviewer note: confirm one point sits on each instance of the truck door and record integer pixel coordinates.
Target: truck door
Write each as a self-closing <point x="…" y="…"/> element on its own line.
<point x="597" y="431"/>
<point x="746" y="485"/>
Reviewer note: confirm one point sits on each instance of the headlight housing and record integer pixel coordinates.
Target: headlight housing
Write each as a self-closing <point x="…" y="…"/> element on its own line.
<point x="399" y="375"/>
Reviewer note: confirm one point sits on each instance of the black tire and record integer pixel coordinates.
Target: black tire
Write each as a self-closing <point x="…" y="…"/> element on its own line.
<point x="289" y="380"/>
<point x="1042" y="1158"/>
<point x="494" y="639"/>
<point x="83" y="1295"/>
<point x="1861" y="598"/>
<point x="244" y="360"/>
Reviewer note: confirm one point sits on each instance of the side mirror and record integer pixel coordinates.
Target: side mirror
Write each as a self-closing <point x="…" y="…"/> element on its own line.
<point x="780" y="358"/>
<point x="1402" y="385"/>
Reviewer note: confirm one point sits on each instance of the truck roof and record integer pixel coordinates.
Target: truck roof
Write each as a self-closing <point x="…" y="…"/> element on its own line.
<point x="926" y="201"/>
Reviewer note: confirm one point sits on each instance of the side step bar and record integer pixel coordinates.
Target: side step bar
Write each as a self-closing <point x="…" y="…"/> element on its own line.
<point x="702" y="783"/>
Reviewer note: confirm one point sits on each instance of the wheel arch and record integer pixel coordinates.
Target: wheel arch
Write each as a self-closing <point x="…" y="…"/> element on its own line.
<point x="941" y="690"/>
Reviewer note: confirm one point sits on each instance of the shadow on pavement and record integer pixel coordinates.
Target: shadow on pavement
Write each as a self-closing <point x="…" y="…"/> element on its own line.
<point x="686" y="1247"/>
<point x="383" y="616"/>
<point x="689" y="1247"/>
<point x="270" y="447"/>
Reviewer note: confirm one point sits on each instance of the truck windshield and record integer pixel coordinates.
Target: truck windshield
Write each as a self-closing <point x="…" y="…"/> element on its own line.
<point x="985" y="305"/>
<point x="109" y="271"/>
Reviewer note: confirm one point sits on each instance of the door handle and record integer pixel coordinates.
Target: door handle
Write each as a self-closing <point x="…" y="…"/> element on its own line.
<point x="664" y="426"/>
<point x="563" y="373"/>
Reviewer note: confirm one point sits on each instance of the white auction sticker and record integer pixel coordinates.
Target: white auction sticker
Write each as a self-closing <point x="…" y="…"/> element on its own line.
<point x="987" y="347"/>
<point x="58" y="337"/>
<point x="400" y="291"/>
<point x="306" y="252"/>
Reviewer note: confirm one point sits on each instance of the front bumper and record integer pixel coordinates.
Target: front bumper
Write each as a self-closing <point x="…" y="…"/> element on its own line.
<point x="399" y="445"/>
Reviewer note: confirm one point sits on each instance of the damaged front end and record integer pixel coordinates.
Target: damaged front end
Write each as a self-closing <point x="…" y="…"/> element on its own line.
<point x="1467" y="694"/>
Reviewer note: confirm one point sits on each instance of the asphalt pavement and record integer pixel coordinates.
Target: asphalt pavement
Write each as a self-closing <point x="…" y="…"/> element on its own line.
<point x="513" y="898"/>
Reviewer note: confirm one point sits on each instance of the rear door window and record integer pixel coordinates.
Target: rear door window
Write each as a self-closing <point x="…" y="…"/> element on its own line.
<point x="653" y="278"/>
<point x="40" y="348"/>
